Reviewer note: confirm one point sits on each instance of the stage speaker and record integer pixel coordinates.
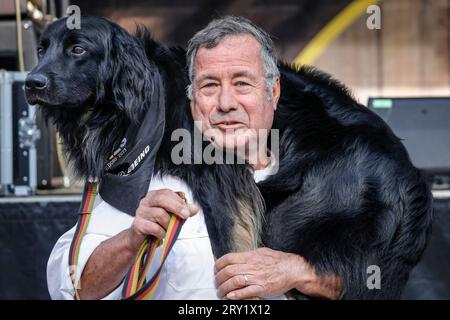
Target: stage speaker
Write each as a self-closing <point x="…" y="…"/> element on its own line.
<point x="423" y="126"/>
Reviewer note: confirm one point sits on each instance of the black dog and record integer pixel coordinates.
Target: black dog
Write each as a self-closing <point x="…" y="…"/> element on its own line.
<point x="346" y="195"/>
<point x="93" y="83"/>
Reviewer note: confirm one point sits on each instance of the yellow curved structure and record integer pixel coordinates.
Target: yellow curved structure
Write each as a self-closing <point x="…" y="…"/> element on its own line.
<point x="332" y="30"/>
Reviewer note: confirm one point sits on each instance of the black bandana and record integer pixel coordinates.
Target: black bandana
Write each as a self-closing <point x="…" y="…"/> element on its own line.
<point x="129" y="168"/>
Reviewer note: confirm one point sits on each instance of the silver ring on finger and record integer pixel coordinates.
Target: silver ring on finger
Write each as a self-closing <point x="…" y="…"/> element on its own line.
<point x="245" y="280"/>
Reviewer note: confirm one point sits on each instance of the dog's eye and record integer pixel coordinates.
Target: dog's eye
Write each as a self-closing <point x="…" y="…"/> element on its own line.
<point x="40" y="52"/>
<point x="78" y="50"/>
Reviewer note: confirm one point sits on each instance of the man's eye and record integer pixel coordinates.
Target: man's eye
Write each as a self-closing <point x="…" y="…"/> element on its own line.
<point x="77" y="50"/>
<point x="209" y="85"/>
<point x="242" y="84"/>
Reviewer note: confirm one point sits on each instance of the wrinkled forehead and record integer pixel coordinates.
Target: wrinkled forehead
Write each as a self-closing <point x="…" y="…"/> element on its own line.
<point x="233" y="50"/>
<point x="241" y="46"/>
<point x="245" y="40"/>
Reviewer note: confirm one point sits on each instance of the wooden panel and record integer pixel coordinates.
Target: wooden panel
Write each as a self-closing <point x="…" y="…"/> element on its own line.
<point x="401" y="41"/>
<point x="409" y="56"/>
<point x="353" y="58"/>
<point x="435" y="43"/>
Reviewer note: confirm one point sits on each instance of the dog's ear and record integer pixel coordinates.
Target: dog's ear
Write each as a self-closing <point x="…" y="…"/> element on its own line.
<point x="125" y="73"/>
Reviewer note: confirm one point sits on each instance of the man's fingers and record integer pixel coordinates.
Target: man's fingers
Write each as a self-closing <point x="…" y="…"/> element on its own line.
<point x="150" y="228"/>
<point x="231" y="258"/>
<point x="252" y="291"/>
<point x="161" y="217"/>
<point x="230" y="271"/>
<point x="232" y="284"/>
<point x="155" y="214"/>
<point x="168" y="200"/>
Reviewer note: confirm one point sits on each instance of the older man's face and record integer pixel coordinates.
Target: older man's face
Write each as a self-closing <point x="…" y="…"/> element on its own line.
<point x="229" y="91"/>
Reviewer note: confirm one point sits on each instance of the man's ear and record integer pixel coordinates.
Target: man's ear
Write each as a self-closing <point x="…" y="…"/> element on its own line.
<point x="276" y="91"/>
<point x="191" y="98"/>
<point x="192" y="107"/>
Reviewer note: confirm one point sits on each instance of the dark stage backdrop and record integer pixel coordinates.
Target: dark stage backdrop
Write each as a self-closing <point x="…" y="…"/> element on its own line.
<point x="28" y="231"/>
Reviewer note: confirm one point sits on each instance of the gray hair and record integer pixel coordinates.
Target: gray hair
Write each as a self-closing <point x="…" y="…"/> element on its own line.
<point x="218" y="29"/>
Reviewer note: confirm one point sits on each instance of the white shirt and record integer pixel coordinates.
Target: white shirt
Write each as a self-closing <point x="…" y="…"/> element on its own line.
<point x="188" y="272"/>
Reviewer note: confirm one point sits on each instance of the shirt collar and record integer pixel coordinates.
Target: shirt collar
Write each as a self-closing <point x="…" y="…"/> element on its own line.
<point x="271" y="169"/>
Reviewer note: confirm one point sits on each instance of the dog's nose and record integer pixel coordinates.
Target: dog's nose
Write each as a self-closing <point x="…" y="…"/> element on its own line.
<point x="36" y="81"/>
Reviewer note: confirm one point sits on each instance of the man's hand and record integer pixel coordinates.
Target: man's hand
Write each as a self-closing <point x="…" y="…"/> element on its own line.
<point x="153" y="215"/>
<point x="266" y="273"/>
<point x="110" y="261"/>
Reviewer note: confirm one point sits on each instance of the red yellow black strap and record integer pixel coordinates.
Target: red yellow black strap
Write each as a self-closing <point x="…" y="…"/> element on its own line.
<point x="135" y="285"/>
<point x="89" y="194"/>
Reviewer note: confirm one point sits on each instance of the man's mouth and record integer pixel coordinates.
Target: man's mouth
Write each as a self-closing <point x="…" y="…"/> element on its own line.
<point x="229" y="125"/>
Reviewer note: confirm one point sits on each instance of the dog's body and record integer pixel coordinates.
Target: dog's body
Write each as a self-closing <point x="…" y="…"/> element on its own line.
<point x="346" y="195"/>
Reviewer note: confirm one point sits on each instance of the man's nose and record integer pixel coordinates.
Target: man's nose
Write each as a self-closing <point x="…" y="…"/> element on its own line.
<point x="36" y="81"/>
<point x="227" y="100"/>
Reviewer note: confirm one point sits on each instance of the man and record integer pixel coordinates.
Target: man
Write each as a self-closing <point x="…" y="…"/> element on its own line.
<point x="234" y="92"/>
<point x="346" y="199"/>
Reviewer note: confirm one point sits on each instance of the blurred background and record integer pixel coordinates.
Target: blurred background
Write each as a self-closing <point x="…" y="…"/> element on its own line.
<point x="393" y="54"/>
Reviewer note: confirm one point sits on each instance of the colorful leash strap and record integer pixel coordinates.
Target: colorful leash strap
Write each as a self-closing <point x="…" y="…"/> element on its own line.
<point x="89" y="194"/>
<point x="135" y="286"/>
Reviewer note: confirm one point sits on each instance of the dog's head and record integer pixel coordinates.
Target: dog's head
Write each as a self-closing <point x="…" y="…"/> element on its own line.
<point x="80" y="68"/>
<point x="92" y="82"/>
